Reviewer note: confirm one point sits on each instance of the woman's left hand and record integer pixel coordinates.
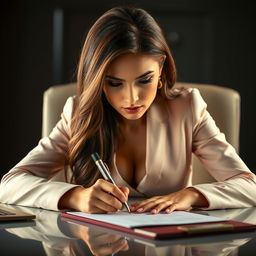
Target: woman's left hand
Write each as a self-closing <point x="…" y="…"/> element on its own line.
<point x="184" y="199"/>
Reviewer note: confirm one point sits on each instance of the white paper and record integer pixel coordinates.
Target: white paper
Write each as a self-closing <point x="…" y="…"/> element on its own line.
<point x="131" y="220"/>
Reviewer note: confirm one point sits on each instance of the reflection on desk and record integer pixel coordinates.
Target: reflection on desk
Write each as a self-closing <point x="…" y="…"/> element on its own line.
<point x="63" y="237"/>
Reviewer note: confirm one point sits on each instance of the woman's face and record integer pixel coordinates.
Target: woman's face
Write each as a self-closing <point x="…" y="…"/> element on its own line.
<point x="131" y="84"/>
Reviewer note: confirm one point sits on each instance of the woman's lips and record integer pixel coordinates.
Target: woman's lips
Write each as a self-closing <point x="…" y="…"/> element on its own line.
<point x="132" y="110"/>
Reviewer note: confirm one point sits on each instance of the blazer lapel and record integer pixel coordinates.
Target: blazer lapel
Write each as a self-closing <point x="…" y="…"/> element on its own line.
<point x="157" y="125"/>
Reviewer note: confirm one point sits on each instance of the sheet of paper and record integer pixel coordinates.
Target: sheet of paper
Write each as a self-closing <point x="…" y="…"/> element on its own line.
<point x="131" y="220"/>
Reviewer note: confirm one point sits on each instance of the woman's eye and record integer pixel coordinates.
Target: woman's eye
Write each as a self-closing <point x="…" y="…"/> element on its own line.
<point x="113" y="84"/>
<point x="146" y="81"/>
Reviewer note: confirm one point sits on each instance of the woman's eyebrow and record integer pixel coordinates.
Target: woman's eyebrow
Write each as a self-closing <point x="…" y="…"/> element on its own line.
<point x="120" y="79"/>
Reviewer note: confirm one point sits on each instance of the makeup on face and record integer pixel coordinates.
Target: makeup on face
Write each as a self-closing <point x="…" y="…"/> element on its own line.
<point x="131" y="84"/>
<point x="143" y="79"/>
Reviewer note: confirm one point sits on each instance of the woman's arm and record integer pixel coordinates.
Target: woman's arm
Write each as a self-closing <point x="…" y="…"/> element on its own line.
<point x="236" y="184"/>
<point x="32" y="181"/>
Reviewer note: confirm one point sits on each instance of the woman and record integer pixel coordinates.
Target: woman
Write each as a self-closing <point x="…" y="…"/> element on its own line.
<point x="146" y="132"/>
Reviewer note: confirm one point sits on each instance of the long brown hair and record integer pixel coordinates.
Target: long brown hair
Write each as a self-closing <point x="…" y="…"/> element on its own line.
<point x="119" y="31"/>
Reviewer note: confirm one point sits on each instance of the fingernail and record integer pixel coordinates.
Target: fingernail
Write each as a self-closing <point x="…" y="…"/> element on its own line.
<point x="153" y="211"/>
<point x="140" y="210"/>
<point x="167" y="210"/>
<point x="123" y="199"/>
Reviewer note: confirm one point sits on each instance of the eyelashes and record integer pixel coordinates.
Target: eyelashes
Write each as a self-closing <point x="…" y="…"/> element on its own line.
<point x="112" y="84"/>
<point x="117" y="84"/>
<point x="146" y="81"/>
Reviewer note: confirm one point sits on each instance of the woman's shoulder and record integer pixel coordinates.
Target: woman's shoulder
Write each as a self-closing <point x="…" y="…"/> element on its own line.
<point x="69" y="107"/>
<point x="182" y="103"/>
<point x="183" y="93"/>
<point x="185" y="97"/>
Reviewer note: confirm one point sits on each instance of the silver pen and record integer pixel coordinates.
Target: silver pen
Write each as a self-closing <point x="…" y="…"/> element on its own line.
<point x="105" y="173"/>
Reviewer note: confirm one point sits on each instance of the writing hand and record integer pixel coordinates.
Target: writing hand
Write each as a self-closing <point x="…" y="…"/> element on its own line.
<point x="102" y="197"/>
<point x="180" y="200"/>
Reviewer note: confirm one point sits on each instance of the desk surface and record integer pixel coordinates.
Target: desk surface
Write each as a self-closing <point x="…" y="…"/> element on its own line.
<point x="50" y="235"/>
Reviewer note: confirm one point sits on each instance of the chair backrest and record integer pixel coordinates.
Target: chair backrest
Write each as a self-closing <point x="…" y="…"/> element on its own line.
<point x="223" y="104"/>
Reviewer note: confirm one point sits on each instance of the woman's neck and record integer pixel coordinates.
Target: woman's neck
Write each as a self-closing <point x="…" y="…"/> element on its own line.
<point x="126" y="125"/>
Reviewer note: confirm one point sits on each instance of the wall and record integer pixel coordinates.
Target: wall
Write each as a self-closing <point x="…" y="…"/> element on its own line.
<point x="212" y="42"/>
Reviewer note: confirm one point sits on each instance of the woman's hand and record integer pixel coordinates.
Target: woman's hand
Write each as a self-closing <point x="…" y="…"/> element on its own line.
<point x="102" y="197"/>
<point x="184" y="199"/>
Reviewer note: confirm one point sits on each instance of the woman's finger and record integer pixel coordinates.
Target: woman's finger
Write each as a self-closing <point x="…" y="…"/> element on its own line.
<point x="172" y="208"/>
<point x="106" y="204"/>
<point x="93" y="209"/>
<point x="161" y="206"/>
<point x="126" y="191"/>
<point x="102" y="192"/>
<point x="136" y="204"/>
<point x="147" y="204"/>
<point x="112" y="189"/>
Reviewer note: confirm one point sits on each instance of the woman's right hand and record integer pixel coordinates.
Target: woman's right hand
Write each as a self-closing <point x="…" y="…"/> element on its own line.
<point x="102" y="197"/>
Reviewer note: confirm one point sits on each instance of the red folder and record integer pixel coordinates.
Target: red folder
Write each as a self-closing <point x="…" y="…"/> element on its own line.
<point x="174" y="231"/>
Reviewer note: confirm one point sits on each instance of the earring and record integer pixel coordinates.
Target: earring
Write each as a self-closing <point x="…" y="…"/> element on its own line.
<point x="160" y="84"/>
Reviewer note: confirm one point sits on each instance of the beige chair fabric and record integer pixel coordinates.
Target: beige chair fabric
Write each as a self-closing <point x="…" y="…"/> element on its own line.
<point x="223" y="104"/>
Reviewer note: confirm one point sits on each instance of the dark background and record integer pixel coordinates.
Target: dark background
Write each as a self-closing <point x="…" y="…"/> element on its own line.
<point x="212" y="42"/>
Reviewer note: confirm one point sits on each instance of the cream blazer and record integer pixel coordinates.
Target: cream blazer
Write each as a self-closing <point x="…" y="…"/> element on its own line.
<point x="176" y="129"/>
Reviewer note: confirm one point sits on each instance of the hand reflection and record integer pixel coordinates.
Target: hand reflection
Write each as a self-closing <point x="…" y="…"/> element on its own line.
<point x="100" y="243"/>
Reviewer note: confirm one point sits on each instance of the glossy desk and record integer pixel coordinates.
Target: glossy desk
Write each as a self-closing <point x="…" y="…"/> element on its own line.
<point x="49" y="234"/>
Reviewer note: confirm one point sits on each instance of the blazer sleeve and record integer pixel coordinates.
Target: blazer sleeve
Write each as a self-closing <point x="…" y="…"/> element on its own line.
<point x="31" y="182"/>
<point x="236" y="184"/>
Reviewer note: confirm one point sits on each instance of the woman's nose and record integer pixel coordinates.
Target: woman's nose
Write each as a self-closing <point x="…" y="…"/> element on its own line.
<point x="132" y="95"/>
